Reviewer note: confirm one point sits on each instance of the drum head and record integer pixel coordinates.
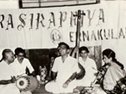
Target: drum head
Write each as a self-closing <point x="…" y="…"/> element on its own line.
<point x="27" y="83"/>
<point x="22" y="83"/>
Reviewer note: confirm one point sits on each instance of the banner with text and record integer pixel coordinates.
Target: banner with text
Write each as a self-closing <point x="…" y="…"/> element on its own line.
<point x="46" y="27"/>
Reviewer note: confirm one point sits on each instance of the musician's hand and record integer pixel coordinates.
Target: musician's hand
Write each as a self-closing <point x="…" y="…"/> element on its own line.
<point x="13" y="79"/>
<point x="96" y="74"/>
<point x="54" y="80"/>
<point x="65" y="85"/>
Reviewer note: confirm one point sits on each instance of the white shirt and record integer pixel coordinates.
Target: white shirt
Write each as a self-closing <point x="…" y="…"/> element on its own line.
<point x="5" y="72"/>
<point x="20" y="68"/>
<point x="65" y="69"/>
<point x="90" y="70"/>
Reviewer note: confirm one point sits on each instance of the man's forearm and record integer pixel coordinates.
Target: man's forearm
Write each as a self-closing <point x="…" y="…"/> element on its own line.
<point x="71" y="78"/>
<point x="4" y="82"/>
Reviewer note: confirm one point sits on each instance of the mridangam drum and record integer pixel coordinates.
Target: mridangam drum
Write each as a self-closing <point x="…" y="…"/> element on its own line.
<point x="27" y="83"/>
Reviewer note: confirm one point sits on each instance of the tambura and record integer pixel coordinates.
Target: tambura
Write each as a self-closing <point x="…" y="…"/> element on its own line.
<point x="27" y="83"/>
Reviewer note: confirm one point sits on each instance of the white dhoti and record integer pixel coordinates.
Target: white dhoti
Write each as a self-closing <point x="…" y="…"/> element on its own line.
<point x="56" y="87"/>
<point x="9" y="89"/>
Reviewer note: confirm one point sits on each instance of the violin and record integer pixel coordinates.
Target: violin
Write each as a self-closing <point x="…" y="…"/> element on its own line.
<point x="100" y="75"/>
<point x="101" y="72"/>
<point x="120" y="87"/>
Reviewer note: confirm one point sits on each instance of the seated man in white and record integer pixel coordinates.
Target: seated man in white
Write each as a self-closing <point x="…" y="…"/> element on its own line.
<point x="22" y="65"/>
<point x="66" y="68"/>
<point x="89" y="66"/>
<point x="7" y="79"/>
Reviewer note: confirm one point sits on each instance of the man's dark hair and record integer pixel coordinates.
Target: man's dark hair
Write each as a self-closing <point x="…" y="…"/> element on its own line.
<point x="20" y="50"/>
<point x="63" y="43"/>
<point x="83" y="48"/>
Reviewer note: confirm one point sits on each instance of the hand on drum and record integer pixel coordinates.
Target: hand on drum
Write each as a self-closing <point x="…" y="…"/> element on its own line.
<point x="13" y="79"/>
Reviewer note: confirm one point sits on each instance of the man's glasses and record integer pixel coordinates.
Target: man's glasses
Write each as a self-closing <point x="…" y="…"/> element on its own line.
<point x="20" y="55"/>
<point x="61" y="48"/>
<point x="83" y="53"/>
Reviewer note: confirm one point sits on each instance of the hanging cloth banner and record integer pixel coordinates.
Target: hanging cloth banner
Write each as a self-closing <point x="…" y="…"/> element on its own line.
<point x="46" y="27"/>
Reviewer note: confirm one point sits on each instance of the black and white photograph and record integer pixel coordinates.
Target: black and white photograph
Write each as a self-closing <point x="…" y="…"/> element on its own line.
<point x="62" y="46"/>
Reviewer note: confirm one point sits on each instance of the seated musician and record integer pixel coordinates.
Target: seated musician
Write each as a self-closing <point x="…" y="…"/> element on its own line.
<point x="65" y="68"/>
<point x="21" y="65"/>
<point x="7" y="76"/>
<point x="89" y="66"/>
<point x="114" y="72"/>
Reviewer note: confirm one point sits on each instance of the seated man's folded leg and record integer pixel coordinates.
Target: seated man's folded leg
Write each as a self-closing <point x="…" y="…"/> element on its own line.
<point x="10" y="89"/>
<point x="55" y="87"/>
<point x="52" y="87"/>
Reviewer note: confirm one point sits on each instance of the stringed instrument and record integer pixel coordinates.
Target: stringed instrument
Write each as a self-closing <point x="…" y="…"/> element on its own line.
<point x="120" y="87"/>
<point x="75" y="50"/>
